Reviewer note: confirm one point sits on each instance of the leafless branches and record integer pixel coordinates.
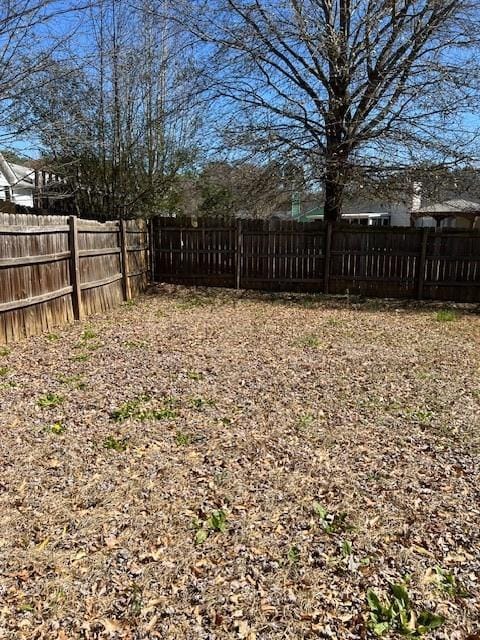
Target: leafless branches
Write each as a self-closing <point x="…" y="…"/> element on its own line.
<point x="341" y="82"/>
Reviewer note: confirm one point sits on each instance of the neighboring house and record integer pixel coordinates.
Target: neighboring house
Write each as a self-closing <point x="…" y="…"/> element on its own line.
<point x="17" y="183"/>
<point x="32" y="186"/>
<point x="368" y="213"/>
<point x="457" y="213"/>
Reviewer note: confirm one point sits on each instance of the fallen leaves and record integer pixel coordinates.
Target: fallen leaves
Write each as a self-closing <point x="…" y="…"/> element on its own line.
<point x="379" y="431"/>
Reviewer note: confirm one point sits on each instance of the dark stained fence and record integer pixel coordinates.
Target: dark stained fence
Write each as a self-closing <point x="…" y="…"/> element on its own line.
<point x="392" y="262"/>
<point x="281" y="256"/>
<point x="195" y="254"/>
<point x="54" y="269"/>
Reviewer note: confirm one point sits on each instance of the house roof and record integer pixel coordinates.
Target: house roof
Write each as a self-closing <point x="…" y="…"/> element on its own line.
<point x="25" y="175"/>
<point x="451" y="207"/>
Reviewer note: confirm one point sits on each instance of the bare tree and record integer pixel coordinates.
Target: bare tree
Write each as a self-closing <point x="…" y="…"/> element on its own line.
<point x="343" y="85"/>
<point x="30" y="33"/>
<point x="123" y="121"/>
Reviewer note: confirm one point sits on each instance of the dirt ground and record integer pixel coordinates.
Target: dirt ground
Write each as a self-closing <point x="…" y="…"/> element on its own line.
<point x="211" y="464"/>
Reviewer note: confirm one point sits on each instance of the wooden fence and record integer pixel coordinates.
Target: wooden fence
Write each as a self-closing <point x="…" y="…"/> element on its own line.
<point x="55" y="269"/>
<point x="312" y="257"/>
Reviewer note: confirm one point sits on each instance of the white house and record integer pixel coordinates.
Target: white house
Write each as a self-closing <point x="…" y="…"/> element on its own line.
<point x="17" y="183"/>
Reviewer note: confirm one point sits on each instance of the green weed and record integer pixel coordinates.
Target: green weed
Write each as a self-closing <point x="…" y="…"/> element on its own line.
<point x="194" y="375"/>
<point x="446" y="315"/>
<point x="293" y="555"/>
<point x="9" y="384"/>
<point x="4" y="351"/>
<point x="88" y="334"/>
<point x="396" y="614"/>
<point x="333" y="322"/>
<point x="74" y="382"/>
<point x="136" y="600"/>
<point x="81" y="357"/>
<point x="50" y="401"/>
<point x="4" y="371"/>
<point x="135" y="344"/>
<point x="423" y="416"/>
<point x="424" y="375"/>
<point x="201" y="403"/>
<point x="183" y="439"/>
<point x="309" y="340"/>
<point x="57" y="428"/>
<point x="447" y="582"/>
<point x="135" y="410"/>
<point x="216" y="522"/>
<point x="194" y="301"/>
<point x="347" y="549"/>
<point x="331" y="522"/>
<point x="309" y="302"/>
<point x="115" y="444"/>
<point x="53" y="337"/>
<point x="305" y="420"/>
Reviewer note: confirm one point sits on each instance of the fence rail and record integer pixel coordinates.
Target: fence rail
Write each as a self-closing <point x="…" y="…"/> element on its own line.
<point x="54" y="269"/>
<point x="312" y="257"/>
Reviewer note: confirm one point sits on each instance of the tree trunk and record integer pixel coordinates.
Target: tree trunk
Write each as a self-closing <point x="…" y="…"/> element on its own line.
<point x="334" y="190"/>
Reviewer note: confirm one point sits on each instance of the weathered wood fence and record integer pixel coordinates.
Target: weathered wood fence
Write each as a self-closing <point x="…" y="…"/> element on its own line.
<point x="54" y="269"/>
<point x="312" y="257"/>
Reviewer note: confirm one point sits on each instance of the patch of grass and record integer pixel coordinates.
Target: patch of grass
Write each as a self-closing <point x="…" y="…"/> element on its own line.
<point x="225" y="421"/>
<point x="195" y="375"/>
<point x="331" y="522"/>
<point x="9" y="384"/>
<point x="445" y="315"/>
<point x="216" y="522"/>
<point x="4" y="351"/>
<point x="135" y="410"/>
<point x="200" y="403"/>
<point x="304" y="421"/>
<point x="81" y="357"/>
<point x="198" y="300"/>
<point x="424" y="375"/>
<point x="309" y="340"/>
<point x="293" y="555"/>
<point x="88" y="334"/>
<point x="136" y="600"/>
<point x="423" y="416"/>
<point x="136" y="344"/>
<point x="130" y="303"/>
<point x="446" y="581"/>
<point x="57" y="428"/>
<point x="26" y="608"/>
<point x="4" y="371"/>
<point x="93" y="346"/>
<point x="53" y="337"/>
<point x="183" y="439"/>
<point x="334" y="322"/>
<point x="74" y="382"/>
<point x="309" y="302"/>
<point x="115" y="444"/>
<point x="50" y="401"/>
<point x="396" y="614"/>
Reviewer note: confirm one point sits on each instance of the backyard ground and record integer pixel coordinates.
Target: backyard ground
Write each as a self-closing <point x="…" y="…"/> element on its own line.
<point x="209" y="464"/>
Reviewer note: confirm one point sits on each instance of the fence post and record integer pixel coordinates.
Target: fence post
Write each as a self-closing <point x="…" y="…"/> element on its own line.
<point x="239" y="255"/>
<point x="421" y="263"/>
<point x="75" y="268"/>
<point x="124" y="259"/>
<point x="151" y="250"/>
<point x="328" y="250"/>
